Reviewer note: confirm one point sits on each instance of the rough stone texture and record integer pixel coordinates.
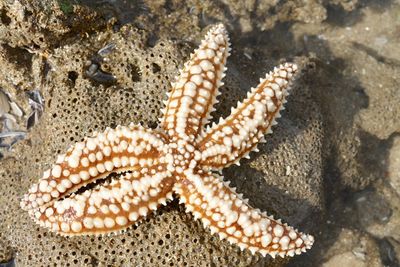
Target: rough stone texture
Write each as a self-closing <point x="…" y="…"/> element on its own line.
<point x="5" y="252"/>
<point x="394" y="165"/>
<point x="38" y="25"/>
<point x="333" y="155"/>
<point x="357" y="65"/>
<point x="352" y="249"/>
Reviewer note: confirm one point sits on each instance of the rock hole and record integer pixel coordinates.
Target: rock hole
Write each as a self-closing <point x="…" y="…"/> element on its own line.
<point x="28" y="13"/>
<point x="4" y="18"/>
<point x="18" y="56"/>
<point x="135" y="72"/>
<point x="72" y="76"/>
<point x="155" y="67"/>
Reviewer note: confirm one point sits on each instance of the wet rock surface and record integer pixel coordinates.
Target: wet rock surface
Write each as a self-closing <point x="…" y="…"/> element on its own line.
<point x="330" y="167"/>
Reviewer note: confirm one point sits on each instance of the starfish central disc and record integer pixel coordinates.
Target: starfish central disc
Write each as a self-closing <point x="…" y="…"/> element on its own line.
<point x="133" y="170"/>
<point x="181" y="156"/>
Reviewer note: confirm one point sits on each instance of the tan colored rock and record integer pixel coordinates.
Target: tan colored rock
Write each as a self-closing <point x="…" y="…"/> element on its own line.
<point x="352" y="248"/>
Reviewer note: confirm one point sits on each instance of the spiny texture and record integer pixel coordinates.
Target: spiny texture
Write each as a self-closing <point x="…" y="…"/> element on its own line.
<point x="179" y="158"/>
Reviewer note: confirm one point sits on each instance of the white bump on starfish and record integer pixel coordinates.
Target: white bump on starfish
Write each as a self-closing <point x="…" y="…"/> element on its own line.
<point x="153" y="164"/>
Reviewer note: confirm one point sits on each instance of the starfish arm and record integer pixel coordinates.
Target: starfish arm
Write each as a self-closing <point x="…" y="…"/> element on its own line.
<point x="236" y="136"/>
<point x="115" y="150"/>
<point x="223" y="211"/>
<point x="194" y="93"/>
<point x="109" y="207"/>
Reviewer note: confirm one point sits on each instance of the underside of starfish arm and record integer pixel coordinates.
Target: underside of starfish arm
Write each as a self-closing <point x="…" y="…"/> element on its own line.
<point x="224" y="212"/>
<point x="236" y="136"/>
<point x="115" y="150"/>
<point x="194" y="93"/>
<point x="109" y="207"/>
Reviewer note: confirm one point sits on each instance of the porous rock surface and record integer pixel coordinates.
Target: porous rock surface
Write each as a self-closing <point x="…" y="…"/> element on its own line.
<point x="38" y="25"/>
<point x="86" y="90"/>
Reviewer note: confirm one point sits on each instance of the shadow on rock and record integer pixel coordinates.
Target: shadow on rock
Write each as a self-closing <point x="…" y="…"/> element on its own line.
<point x="339" y="16"/>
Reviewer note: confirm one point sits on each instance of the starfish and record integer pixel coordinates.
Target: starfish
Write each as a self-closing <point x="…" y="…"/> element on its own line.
<point x="181" y="158"/>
